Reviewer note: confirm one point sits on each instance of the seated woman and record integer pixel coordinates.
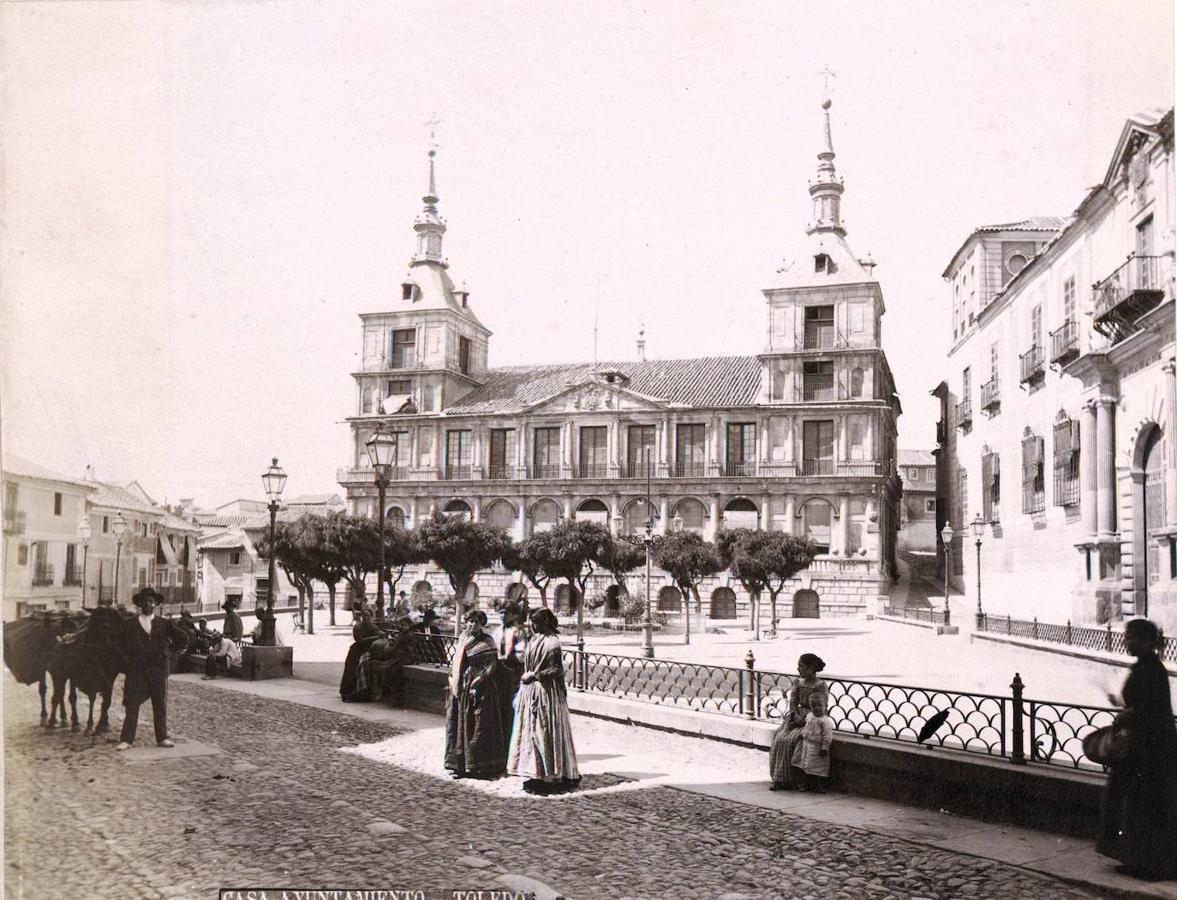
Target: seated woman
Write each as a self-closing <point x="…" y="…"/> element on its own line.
<point x="475" y="739"/>
<point x="541" y="740"/>
<point x="785" y="776"/>
<point x="223" y="655"/>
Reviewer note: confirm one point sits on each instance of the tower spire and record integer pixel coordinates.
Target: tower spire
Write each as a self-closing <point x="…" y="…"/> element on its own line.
<point x="826" y="191"/>
<point x="429" y="225"/>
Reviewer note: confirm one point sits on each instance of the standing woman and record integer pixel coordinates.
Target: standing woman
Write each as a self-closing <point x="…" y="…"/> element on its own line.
<point x="1139" y="822"/>
<point x="512" y="641"/>
<point x="786" y="776"/>
<point x="541" y="741"/>
<point x="475" y="736"/>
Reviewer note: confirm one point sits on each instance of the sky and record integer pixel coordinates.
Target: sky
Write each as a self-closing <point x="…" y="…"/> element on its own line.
<point x="199" y="199"/>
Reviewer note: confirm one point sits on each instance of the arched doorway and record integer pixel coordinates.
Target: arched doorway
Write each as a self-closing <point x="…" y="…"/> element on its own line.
<point x="806" y="605"/>
<point x="741" y="513"/>
<point x="613" y="595"/>
<point x="1150" y="518"/>
<point x="593" y="511"/>
<point x="422" y="593"/>
<point x="670" y="599"/>
<point x="723" y="603"/>
<point x="566" y="601"/>
<point x="458" y="508"/>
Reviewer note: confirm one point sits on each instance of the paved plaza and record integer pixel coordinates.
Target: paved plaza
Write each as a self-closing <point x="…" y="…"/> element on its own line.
<point x="278" y="784"/>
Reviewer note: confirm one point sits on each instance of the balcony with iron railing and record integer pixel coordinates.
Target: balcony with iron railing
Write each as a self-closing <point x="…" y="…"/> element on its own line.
<point x="964" y="414"/>
<point x="1033" y="371"/>
<point x="42" y="574"/>
<point x="819" y="390"/>
<point x="398" y="363"/>
<point x="591" y="470"/>
<point x="545" y="470"/>
<point x="991" y="397"/>
<point x="1127" y="295"/>
<point x="72" y="577"/>
<point x="14" y="522"/>
<point x="500" y="472"/>
<point x="823" y="466"/>
<point x="739" y="468"/>
<point x="458" y="472"/>
<point x="1064" y="343"/>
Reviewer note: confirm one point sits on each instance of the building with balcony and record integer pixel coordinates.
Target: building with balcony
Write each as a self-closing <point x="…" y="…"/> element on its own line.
<point x="1068" y="327"/>
<point x="800" y="437"/>
<point x="917" y="518"/>
<point x="42" y="550"/>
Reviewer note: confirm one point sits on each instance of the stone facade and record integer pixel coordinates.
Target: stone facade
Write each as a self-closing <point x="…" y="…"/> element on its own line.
<point x="1057" y="428"/>
<point x="800" y="438"/>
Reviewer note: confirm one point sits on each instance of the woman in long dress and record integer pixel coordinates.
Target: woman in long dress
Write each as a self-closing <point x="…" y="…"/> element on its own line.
<point x="541" y="741"/>
<point x="786" y="776"/>
<point x="1139" y="822"/>
<point x="475" y="736"/>
<point x="512" y="641"/>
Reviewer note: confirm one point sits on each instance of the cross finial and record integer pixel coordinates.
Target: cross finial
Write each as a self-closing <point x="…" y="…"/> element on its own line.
<point x="827" y="73"/>
<point x="433" y="122"/>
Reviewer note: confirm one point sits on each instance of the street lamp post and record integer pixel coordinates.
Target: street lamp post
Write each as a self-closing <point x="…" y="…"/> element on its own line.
<point x="946" y="536"/>
<point x="274" y="479"/>
<point x="648" y="541"/>
<point x="978" y="526"/>
<point x="119" y="527"/>
<point x="84" y="532"/>
<point x="382" y="449"/>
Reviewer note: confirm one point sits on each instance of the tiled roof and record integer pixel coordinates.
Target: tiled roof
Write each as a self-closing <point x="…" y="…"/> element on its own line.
<point x="175" y="523"/>
<point x="16" y="465"/>
<point x="229" y="540"/>
<point x="713" y="381"/>
<point x="315" y="499"/>
<point x="216" y="520"/>
<point x="118" y="497"/>
<point x="915" y="458"/>
<point x="1036" y="223"/>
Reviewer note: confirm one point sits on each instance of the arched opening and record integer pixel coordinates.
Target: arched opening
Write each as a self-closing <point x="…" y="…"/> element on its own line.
<point x="593" y="511"/>
<point x="566" y="600"/>
<point x="806" y="605"/>
<point x="635" y="515"/>
<point x="816" y="519"/>
<point x="741" y="513"/>
<point x="458" y="508"/>
<point x="516" y="591"/>
<point x="670" y="599"/>
<point x="1150" y="518"/>
<point x="422" y="593"/>
<point x="723" y="603"/>
<point x="693" y="515"/>
<point x="366" y="401"/>
<point x="500" y="514"/>
<point x="544" y="515"/>
<point x="778" y="384"/>
<point x="613" y="595"/>
<point x="394" y="515"/>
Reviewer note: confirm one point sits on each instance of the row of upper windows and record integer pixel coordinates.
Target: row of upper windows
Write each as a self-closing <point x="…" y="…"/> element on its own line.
<point x="403" y="350"/>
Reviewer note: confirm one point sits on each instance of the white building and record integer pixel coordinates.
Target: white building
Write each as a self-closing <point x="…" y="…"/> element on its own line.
<point x="1057" y="423"/>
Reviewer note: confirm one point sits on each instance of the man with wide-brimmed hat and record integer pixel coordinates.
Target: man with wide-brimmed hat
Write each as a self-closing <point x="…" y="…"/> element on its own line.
<point x="146" y="647"/>
<point x="234" y="630"/>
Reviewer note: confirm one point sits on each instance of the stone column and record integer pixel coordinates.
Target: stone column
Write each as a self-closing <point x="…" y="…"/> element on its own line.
<point x="791" y="439"/>
<point x="438" y="440"/>
<point x="411" y="521"/>
<point x="713" y="526"/>
<point x="476" y="509"/>
<point x="664" y="513"/>
<point x="1105" y="435"/>
<point x="763" y="452"/>
<point x="567" y="507"/>
<point x="844" y="526"/>
<point x="521" y="447"/>
<point x="790" y="514"/>
<point x="664" y="447"/>
<point x="1170" y="426"/>
<point x="1088" y="468"/>
<point x="615" y="514"/>
<point x="766" y="512"/>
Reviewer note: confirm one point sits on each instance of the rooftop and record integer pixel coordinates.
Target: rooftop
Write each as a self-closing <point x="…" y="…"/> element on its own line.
<point x="915" y="458"/>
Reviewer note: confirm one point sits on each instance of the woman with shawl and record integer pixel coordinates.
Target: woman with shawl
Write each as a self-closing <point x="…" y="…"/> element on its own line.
<point x="475" y="735"/>
<point x="541" y="740"/>
<point x="786" y="776"/>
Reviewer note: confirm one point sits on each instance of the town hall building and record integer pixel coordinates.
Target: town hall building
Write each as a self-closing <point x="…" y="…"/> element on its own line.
<point x="799" y="437"/>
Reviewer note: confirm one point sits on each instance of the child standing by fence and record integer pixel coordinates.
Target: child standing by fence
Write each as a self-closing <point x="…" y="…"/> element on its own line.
<point x="812" y="755"/>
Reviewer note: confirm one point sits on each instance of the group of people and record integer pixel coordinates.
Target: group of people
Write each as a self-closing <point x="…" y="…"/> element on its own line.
<point x="374" y="663"/>
<point x="507" y="705"/>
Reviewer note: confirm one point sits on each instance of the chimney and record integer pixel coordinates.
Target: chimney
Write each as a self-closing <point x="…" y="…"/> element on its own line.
<point x="642" y="343"/>
<point x="89" y="475"/>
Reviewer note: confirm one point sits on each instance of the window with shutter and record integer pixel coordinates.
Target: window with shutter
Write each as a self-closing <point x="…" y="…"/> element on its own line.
<point x="1033" y="475"/>
<point x="1066" y="462"/>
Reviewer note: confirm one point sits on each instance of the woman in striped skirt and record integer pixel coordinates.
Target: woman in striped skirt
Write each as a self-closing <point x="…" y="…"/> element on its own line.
<point x="786" y="776"/>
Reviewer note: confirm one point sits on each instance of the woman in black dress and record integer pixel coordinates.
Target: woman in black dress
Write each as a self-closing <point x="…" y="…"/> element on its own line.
<point x="1139" y="823"/>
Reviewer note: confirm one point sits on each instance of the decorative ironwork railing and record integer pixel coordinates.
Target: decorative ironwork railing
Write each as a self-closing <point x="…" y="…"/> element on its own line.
<point x="1064" y="343"/>
<point x="920" y="614"/>
<point x="545" y="470"/>
<point x="681" y="470"/>
<point x="1032" y="368"/>
<point x="592" y="470"/>
<point x="740" y="469"/>
<point x="990" y="395"/>
<point x="72" y="576"/>
<point x="1136" y="275"/>
<point x="42" y="574"/>
<point x="964" y="414"/>
<point x="457" y="473"/>
<point x="1015" y="727"/>
<point x="817" y="467"/>
<point x="500" y="472"/>
<point x="1107" y="639"/>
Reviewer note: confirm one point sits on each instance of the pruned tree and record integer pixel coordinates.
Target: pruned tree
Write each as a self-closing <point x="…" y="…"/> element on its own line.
<point x="687" y="558"/>
<point x="738" y="552"/>
<point x="782" y="556"/>
<point x="461" y="549"/>
<point x="402" y="548"/>
<point x="527" y="557"/>
<point x="291" y="554"/>
<point x="354" y="547"/>
<point x="571" y="552"/>
<point x="329" y="554"/>
<point x="619" y="558"/>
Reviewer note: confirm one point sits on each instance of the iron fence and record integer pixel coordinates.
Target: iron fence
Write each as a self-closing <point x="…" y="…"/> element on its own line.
<point x="1107" y="639"/>
<point x="1015" y="727"/>
<point x="919" y="614"/>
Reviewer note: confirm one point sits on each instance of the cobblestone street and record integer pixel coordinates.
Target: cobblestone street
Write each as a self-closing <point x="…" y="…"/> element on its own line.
<point x="281" y="806"/>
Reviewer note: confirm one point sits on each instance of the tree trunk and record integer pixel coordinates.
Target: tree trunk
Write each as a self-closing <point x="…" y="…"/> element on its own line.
<point x="579" y="601"/>
<point x="687" y="608"/>
<point x="755" y="615"/>
<point x="698" y="601"/>
<point x="302" y="593"/>
<point x="773" y="594"/>
<point x="543" y="596"/>
<point x="331" y="602"/>
<point x="309" y="621"/>
<point x="459" y="604"/>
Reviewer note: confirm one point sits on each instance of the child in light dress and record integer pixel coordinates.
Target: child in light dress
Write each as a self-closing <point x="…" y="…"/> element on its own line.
<point x="812" y="755"/>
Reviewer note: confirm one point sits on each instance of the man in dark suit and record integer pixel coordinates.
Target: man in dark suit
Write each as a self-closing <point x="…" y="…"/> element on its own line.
<point x="145" y="639"/>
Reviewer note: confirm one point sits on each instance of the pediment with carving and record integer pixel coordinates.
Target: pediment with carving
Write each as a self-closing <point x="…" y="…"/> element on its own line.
<point x="595" y="396"/>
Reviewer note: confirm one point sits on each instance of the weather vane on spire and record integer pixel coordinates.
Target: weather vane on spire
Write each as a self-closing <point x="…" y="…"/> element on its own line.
<point x="827" y="73"/>
<point x="433" y="123"/>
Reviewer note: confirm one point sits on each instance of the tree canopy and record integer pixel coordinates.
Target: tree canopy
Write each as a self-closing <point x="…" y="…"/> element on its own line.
<point x="528" y="557"/>
<point x="461" y="548"/>
<point x="764" y="560"/>
<point x="687" y="558"/>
